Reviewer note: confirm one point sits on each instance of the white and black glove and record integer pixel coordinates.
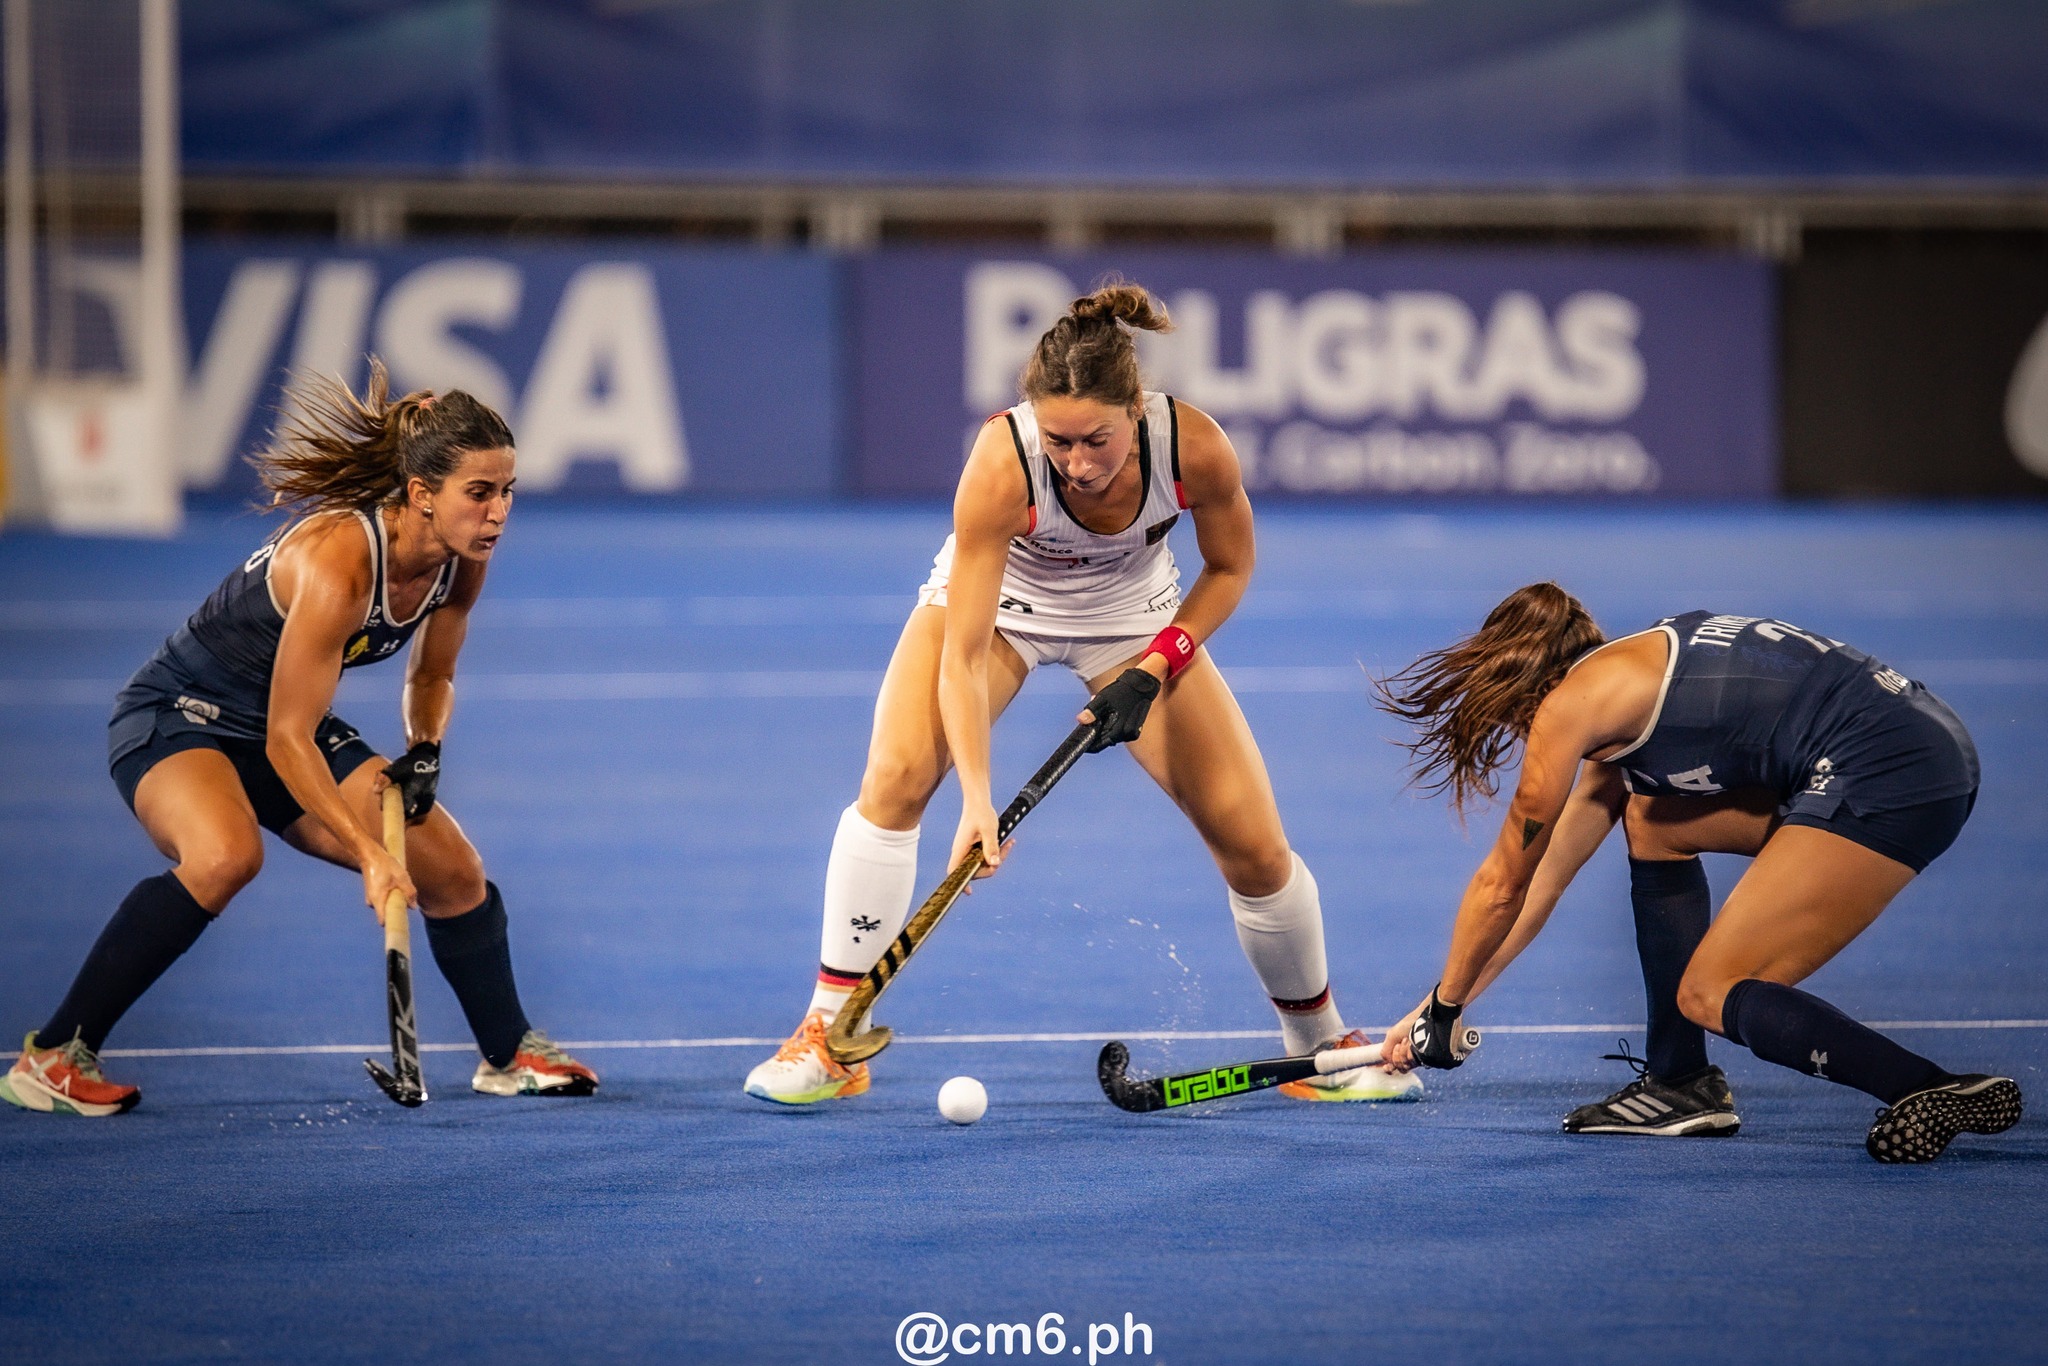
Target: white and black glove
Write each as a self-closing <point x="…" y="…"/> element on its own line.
<point x="416" y="774"/>
<point x="1439" y="1037"/>
<point x="1120" y="709"/>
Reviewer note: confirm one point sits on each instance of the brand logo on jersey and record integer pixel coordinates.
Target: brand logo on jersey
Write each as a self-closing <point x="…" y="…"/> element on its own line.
<point x="268" y="548"/>
<point x="1014" y="605"/>
<point x="1823" y="775"/>
<point x="1165" y="600"/>
<point x="198" y="712"/>
<point x="1699" y="779"/>
<point x="341" y="737"/>
<point x="1156" y="533"/>
<point x="1892" y="681"/>
<point x="356" y="648"/>
<point x="1054" y="551"/>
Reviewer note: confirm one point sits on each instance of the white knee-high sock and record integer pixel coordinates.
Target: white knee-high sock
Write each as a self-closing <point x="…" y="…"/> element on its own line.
<point x="1282" y="935"/>
<point x="869" y="881"/>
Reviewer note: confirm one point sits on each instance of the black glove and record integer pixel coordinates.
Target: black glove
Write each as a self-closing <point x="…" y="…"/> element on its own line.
<point x="1437" y="1036"/>
<point x="416" y="773"/>
<point x="1119" y="709"/>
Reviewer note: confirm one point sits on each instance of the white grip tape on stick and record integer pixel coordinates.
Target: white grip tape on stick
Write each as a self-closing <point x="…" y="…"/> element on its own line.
<point x="1344" y="1059"/>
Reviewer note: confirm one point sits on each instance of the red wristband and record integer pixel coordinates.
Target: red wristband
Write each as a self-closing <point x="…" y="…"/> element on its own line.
<point x="1176" y="645"/>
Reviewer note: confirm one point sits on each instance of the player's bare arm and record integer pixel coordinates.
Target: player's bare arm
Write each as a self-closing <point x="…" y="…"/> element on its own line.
<point x="323" y="583"/>
<point x="1598" y="707"/>
<point x="1213" y="481"/>
<point x="989" y="508"/>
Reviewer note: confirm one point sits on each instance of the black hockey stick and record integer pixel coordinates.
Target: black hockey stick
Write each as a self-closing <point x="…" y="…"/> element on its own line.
<point x="840" y="1041"/>
<point x="402" y="1083"/>
<point x="1142" y="1095"/>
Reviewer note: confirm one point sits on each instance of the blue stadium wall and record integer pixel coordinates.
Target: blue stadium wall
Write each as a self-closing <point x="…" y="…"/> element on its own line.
<point x="1124" y="92"/>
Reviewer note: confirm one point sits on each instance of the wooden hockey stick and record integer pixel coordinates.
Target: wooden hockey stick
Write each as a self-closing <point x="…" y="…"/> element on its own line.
<point x="840" y="1041"/>
<point x="402" y="1083"/>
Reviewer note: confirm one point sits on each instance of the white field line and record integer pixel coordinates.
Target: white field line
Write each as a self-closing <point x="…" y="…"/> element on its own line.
<point x="1138" y="1035"/>
<point x="726" y="685"/>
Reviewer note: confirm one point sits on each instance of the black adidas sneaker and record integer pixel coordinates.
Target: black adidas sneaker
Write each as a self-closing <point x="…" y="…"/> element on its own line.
<point x="1699" y="1106"/>
<point x="1924" y="1123"/>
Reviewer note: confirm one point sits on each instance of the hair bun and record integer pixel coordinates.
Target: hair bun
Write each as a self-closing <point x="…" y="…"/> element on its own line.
<point x="1124" y="302"/>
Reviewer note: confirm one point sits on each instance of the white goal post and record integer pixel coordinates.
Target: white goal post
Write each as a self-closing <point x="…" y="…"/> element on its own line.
<point x="95" y="360"/>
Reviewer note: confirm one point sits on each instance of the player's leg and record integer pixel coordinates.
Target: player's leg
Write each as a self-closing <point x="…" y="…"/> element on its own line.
<point x="192" y="805"/>
<point x="1677" y="1093"/>
<point x="871" y="874"/>
<point x="1807" y="895"/>
<point x="467" y="931"/>
<point x="1197" y="746"/>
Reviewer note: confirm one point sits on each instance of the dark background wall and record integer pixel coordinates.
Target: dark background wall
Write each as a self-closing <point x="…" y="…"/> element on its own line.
<point x="1900" y="353"/>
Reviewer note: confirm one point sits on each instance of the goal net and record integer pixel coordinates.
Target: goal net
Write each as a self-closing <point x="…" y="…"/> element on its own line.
<point x="93" y="358"/>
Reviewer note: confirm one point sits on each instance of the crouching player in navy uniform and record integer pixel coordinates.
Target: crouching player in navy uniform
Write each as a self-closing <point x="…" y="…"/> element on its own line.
<point x="1840" y="777"/>
<point x="226" y="729"/>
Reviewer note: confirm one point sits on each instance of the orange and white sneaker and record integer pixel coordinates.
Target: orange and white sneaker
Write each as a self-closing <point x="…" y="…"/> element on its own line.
<point x="803" y="1073"/>
<point x="539" y="1068"/>
<point x="1359" y="1083"/>
<point x="64" y="1081"/>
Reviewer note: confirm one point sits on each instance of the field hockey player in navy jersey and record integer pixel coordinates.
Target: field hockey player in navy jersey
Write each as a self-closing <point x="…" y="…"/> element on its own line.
<point x="1840" y="778"/>
<point x="226" y="731"/>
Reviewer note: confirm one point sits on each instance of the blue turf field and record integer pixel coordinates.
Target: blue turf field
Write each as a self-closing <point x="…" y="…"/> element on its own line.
<point x="661" y="717"/>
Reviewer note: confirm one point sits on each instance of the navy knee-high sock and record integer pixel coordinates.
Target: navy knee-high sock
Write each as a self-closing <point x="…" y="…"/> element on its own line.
<point x="474" y="955"/>
<point x="156" y="922"/>
<point x="1673" y="909"/>
<point x="1786" y="1026"/>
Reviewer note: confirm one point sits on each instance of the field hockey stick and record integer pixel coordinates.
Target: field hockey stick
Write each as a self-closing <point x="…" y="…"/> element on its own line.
<point x="402" y="1083"/>
<point x="840" y="1041"/>
<point x="1141" y="1095"/>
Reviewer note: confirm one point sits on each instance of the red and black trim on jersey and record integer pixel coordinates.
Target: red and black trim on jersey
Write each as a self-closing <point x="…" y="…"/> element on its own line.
<point x="1180" y="494"/>
<point x="1030" y="490"/>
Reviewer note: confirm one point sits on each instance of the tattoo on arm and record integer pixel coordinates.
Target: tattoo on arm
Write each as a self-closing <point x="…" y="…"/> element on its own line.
<point x="1530" y="830"/>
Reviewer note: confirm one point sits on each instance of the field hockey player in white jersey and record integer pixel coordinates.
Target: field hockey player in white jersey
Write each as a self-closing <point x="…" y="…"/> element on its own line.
<point x="1059" y="556"/>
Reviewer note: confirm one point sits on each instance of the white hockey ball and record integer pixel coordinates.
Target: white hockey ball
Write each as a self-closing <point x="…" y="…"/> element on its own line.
<point x="963" y="1100"/>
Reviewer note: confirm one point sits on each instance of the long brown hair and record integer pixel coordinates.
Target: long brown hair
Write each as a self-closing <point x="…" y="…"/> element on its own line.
<point x="1089" y="352"/>
<point x="1472" y="703"/>
<point x="335" y="450"/>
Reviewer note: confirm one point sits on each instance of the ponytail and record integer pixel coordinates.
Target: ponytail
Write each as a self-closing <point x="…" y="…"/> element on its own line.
<point x="336" y="450"/>
<point x="1089" y="353"/>
<point x="1474" y="701"/>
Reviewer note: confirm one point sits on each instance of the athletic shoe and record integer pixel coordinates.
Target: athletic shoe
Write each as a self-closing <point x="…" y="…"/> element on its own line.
<point x="1359" y="1083"/>
<point x="64" y="1081"/>
<point x="803" y="1073"/>
<point x="1924" y="1123"/>
<point x="1699" y="1106"/>
<point x="539" y="1068"/>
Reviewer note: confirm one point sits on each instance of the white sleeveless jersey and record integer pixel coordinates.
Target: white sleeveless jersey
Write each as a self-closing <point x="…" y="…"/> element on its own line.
<point x="1064" y="580"/>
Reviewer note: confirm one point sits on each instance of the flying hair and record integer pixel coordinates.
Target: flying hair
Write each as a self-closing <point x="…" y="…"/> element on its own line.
<point x="1473" y="702"/>
<point x="1089" y="353"/>
<point x="335" y="450"/>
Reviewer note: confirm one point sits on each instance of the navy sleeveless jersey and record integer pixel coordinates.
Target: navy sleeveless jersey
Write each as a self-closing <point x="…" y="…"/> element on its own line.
<point x="1754" y="702"/>
<point x="213" y="673"/>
